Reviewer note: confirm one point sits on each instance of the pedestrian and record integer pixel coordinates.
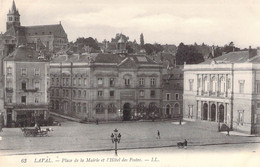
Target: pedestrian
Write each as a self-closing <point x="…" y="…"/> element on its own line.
<point x="185" y="143"/>
<point x="158" y="134"/>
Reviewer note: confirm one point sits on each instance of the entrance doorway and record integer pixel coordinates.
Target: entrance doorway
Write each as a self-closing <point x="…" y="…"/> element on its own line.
<point x="168" y="111"/>
<point x="213" y="112"/>
<point x="126" y="112"/>
<point x="9" y="117"/>
<point x="205" y="111"/>
<point x="221" y="113"/>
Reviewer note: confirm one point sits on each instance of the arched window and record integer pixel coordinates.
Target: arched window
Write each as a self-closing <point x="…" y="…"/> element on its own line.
<point x="79" y="93"/>
<point x="79" y="107"/>
<point x="84" y="107"/>
<point x="99" y="109"/>
<point x="111" y="108"/>
<point x="57" y="105"/>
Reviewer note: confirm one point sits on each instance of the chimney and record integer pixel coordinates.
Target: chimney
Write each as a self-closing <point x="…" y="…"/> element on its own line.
<point x="252" y="52"/>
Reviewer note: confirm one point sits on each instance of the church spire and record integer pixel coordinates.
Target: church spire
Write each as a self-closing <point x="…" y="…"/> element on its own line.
<point x="13" y="9"/>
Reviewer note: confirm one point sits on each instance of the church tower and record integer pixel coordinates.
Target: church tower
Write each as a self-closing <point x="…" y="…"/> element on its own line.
<point x="13" y="17"/>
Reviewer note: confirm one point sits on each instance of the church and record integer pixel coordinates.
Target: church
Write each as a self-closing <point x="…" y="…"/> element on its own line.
<point x="50" y="38"/>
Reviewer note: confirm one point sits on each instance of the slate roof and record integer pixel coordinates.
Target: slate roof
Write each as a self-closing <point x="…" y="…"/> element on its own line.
<point x="24" y="54"/>
<point x="55" y="29"/>
<point x="231" y="57"/>
<point x="104" y="58"/>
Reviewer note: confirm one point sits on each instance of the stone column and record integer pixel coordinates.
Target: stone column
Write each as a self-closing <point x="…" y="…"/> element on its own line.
<point x="225" y="113"/>
<point x="201" y="110"/>
<point x="209" y="110"/>
<point x="217" y="112"/>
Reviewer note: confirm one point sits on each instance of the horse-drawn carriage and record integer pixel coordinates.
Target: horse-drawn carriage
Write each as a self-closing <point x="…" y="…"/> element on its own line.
<point x="36" y="132"/>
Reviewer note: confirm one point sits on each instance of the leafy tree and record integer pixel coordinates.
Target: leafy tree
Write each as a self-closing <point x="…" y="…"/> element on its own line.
<point x="81" y="42"/>
<point x="149" y="48"/>
<point x="188" y="54"/>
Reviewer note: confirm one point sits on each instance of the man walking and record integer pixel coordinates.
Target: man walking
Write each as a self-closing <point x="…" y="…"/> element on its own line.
<point x="158" y="134"/>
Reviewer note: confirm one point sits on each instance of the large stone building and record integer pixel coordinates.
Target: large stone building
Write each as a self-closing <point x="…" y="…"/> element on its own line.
<point x="106" y="86"/>
<point x="26" y="84"/>
<point x="226" y="90"/>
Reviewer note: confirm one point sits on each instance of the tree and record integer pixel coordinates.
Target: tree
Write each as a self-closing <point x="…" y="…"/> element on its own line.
<point x="188" y="54"/>
<point x="149" y="48"/>
<point x="81" y="42"/>
<point x="142" y="40"/>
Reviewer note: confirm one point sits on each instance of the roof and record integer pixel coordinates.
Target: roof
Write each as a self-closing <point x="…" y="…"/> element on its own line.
<point x="231" y="57"/>
<point x="14" y="10"/>
<point x="105" y="58"/>
<point x="24" y="54"/>
<point x="55" y="29"/>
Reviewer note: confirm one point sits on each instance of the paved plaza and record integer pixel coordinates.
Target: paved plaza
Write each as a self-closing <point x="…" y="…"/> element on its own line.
<point x="77" y="137"/>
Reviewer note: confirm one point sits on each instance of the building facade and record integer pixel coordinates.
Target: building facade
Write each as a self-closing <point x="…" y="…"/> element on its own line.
<point x="26" y="84"/>
<point x="106" y="86"/>
<point x="172" y="93"/>
<point x="225" y="90"/>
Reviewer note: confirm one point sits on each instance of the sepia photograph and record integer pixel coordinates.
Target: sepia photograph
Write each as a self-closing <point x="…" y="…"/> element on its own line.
<point x="130" y="83"/>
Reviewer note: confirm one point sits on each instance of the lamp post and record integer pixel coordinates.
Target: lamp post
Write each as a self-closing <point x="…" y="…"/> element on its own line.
<point x="115" y="137"/>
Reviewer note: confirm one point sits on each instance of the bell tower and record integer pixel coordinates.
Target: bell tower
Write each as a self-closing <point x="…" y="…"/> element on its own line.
<point x="13" y="17"/>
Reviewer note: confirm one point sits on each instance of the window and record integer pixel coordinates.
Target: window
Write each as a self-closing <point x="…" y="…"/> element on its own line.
<point x="57" y="105"/>
<point x="64" y="81"/>
<point x="64" y="93"/>
<point x="24" y="71"/>
<point x="67" y="93"/>
<point x="111" y="93"/>
<point x="152" y="93"/>
<point x="100" y="93"/>
<point x="57" y="81"/>
<point x="74" y="93"/>
<point x="168" y="96"/>
<point x="153" y="81"/>
<point x="85" y="81"/>
<point x="67" y="81"/>
<point x="9" y="70"/>
<point x="258" y="105"/>
<point x="23" y="99"/>
<point x="141" y="81"/>
<point x="240" y="117"/>
<point x="9" y="84"/>
<point x="241" y="86"/>
<point x="79" y="80"/>
<point x="74" y="106"/>
<point x="37" y="71"/>
<point x="79" y="108"/>
<point x="258" y="88"/>
<point x="74" y="81"/>
<point x="177" y="96"/>
<point x="37" y="85"/>
<point x="127" y="81"/>
<point x="112" y="82"/>
<point x="222" y="84"/>
<point x="100" y="81"/>
<point x="23" y="85"/>
<point x="141" y="93"/>
<point x="191" y="84"/>
<point x="52" y="81"/>
<point x="79" y="93"/>
<point x="85" y="93"/>
<point x="99" y="109"/>
<point x="52" y="92"/>
<point x="57" y="92"/>
<point x="111" y="108"/>
<point x="84" y="107"/>
<point x="36" y="100"/>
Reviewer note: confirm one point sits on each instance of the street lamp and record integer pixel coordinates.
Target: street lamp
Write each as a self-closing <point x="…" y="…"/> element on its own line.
<point x="115" y="137"/>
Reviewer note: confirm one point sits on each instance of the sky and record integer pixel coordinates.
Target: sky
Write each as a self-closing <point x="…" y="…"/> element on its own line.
<point x="214" y="22"/>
